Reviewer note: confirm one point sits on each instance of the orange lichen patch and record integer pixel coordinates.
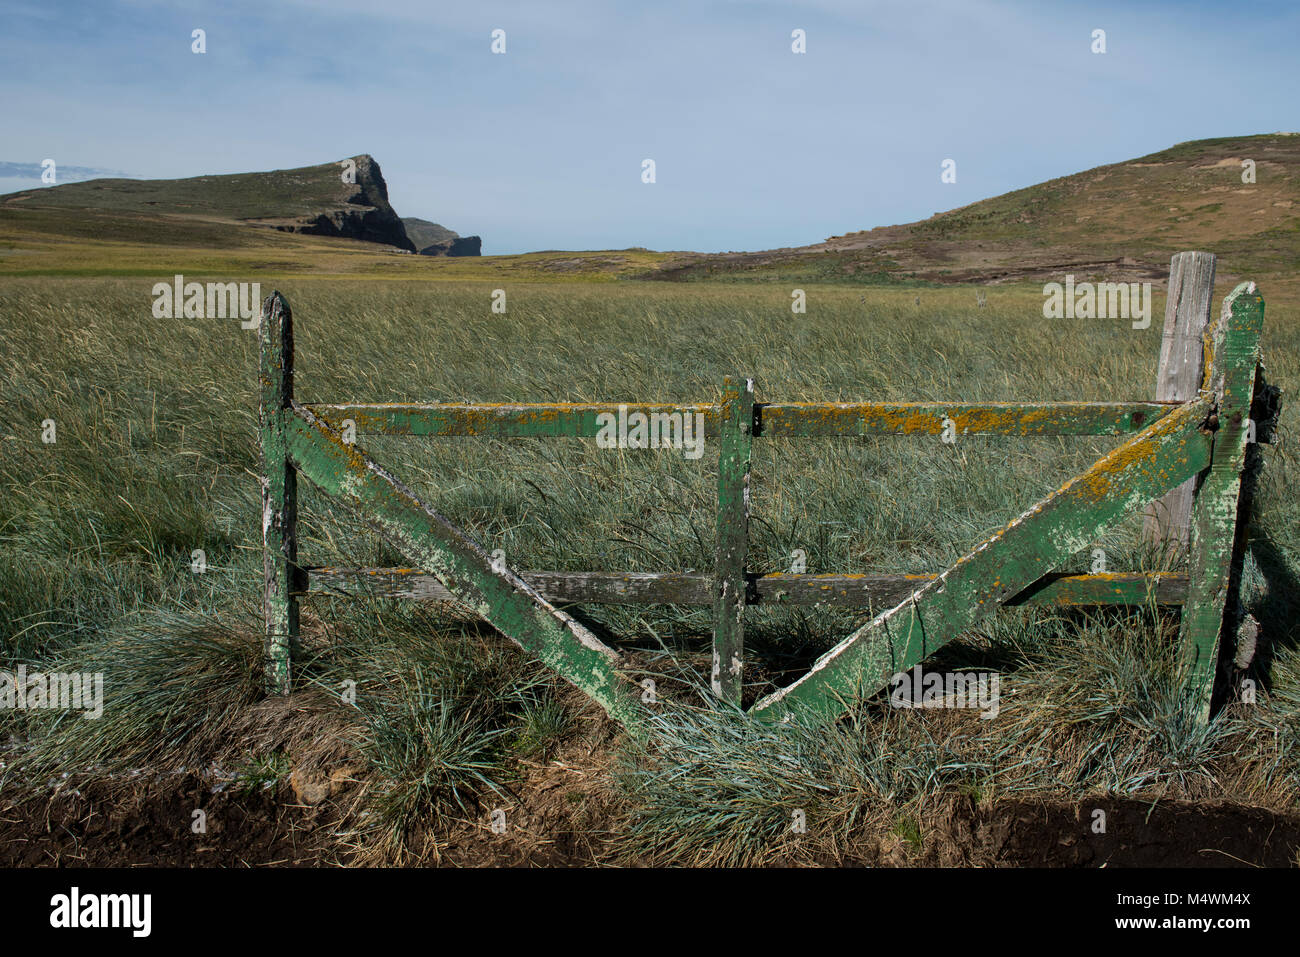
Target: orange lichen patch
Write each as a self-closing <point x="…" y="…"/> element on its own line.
<point x="931" y="418"/>
<point x="1099" y="481"/>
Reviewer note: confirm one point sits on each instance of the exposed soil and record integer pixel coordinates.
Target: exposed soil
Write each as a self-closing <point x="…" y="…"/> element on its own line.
<point x="153" y="827"/>
<point x="1137" y="834"/>
<point x="564" y="818"/>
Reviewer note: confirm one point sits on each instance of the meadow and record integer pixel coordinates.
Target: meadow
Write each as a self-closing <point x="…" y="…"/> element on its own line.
<point x="156" y="460"/>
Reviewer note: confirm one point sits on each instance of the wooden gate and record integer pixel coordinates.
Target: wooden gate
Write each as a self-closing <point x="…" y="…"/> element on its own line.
<point x="1189" y="445"/>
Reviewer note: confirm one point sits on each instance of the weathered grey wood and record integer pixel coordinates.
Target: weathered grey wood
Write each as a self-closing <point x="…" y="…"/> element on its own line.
<point x="735" y="442"/>
<point x="279" y="493"/>
<point x="1167" y="521"/>
<point x="679" y="588"/>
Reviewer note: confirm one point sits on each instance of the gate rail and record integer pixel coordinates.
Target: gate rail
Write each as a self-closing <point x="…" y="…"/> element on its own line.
<point x="1192" y="452"/>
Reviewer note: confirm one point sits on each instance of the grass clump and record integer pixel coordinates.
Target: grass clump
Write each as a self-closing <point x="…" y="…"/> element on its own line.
<point x="172" y="685"/>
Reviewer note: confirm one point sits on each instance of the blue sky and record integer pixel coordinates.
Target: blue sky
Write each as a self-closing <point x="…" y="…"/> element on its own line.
<point x="541" y="148"/>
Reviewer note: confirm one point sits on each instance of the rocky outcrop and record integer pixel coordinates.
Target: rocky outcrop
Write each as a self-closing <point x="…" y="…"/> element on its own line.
<point x="346" y="199"/>
<point x="424" y="233"/>
<point x="365" y="214"/>
<point x="431" y="239"/>
<point x="460" y="246"/>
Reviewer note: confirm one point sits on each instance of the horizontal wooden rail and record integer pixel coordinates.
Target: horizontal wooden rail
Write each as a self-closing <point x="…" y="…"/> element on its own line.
<point x="674" y="588"/>
<point x="771" y="419"/>
<point x="535" y="420"/>
<point x="968" y="418"/>
<point x="1197" y="437"/>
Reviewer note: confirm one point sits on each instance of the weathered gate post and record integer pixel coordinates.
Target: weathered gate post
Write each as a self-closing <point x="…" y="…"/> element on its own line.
<point x="1182" y="363"/>
<point x="735" y="441"/>
<point x="1212" y="605"/>
<point x="279" y="493"/>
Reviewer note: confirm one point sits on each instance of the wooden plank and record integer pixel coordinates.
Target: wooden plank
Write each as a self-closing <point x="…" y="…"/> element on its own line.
<point x="1062" y="524"/>
<point x="1187" y="314"/>
<point x="734" y="446"/>
<point x="500" y="420"/>
<point x="498" y="595"/>
<point x="279" y="494"/>
<point x="821" y="419"/>
<point x="1211" y="604"/>
<point x="773" y="419"/>
<point x="678" y="588"/>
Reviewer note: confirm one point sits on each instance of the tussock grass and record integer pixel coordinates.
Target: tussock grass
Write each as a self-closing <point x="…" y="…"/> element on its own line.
<point x="156" y="458"/>
<point x="172" y="684"/>
<point x="1092" y="708"/>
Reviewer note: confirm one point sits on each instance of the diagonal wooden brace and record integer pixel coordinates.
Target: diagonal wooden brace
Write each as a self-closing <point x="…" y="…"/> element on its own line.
<point x="1155" y="460"/>
<point x="499" y="595"/>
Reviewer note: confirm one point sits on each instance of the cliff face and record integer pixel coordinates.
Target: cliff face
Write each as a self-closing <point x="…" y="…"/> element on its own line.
<point x="365" y="214"/>
<point x="308" y="199"/>
<point x="460" y="246"/>
<point x="347" y="198"/>
<point x="431" y="239"/>
<point x="424" y="233"/>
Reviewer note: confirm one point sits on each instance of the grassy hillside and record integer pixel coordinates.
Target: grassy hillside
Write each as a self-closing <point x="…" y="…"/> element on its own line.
<point x="214" y="210"/>
<point x="1123" y="220"/>
<point x="1119" y="221"/>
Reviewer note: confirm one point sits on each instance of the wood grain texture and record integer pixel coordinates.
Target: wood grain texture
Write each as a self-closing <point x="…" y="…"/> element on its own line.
<point x="1167" y="522"/>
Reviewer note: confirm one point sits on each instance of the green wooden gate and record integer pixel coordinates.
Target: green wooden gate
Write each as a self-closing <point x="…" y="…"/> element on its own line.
<point x="1202" y="440"/>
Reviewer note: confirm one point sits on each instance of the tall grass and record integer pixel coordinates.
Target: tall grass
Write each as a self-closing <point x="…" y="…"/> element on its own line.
<point x="156" y="459"/>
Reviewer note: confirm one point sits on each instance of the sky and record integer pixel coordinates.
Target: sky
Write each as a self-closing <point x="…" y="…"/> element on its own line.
<point x="542" y="146"/>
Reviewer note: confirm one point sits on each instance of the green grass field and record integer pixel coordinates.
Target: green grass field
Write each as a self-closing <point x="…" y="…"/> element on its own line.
<point x="156" y="457"/>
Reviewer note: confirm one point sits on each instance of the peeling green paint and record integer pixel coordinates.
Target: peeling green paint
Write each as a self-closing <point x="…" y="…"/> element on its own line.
<point x="772" y="419"/>
<point x="811" y="419"/>
<point x="465" y="569"/>
<point x="998" y="568"/>
<point x="500" y="420"/>
<point x="1232" y="361"/>
<point x="279" y="493"/>
<point x="1172" y="442"/>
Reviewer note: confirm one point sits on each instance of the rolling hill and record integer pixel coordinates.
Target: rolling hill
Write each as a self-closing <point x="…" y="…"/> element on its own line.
<point x="1124" y="220"/>
<point x="1121" y="221"/>
<point x="312" y="200"/>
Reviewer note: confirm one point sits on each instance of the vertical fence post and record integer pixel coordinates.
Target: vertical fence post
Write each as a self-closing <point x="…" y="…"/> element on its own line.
<point x="736" y="436"/>
<point x="1167" y="520"/>
<point x="1212" y="605"/>
<point x="279" y="493"/>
